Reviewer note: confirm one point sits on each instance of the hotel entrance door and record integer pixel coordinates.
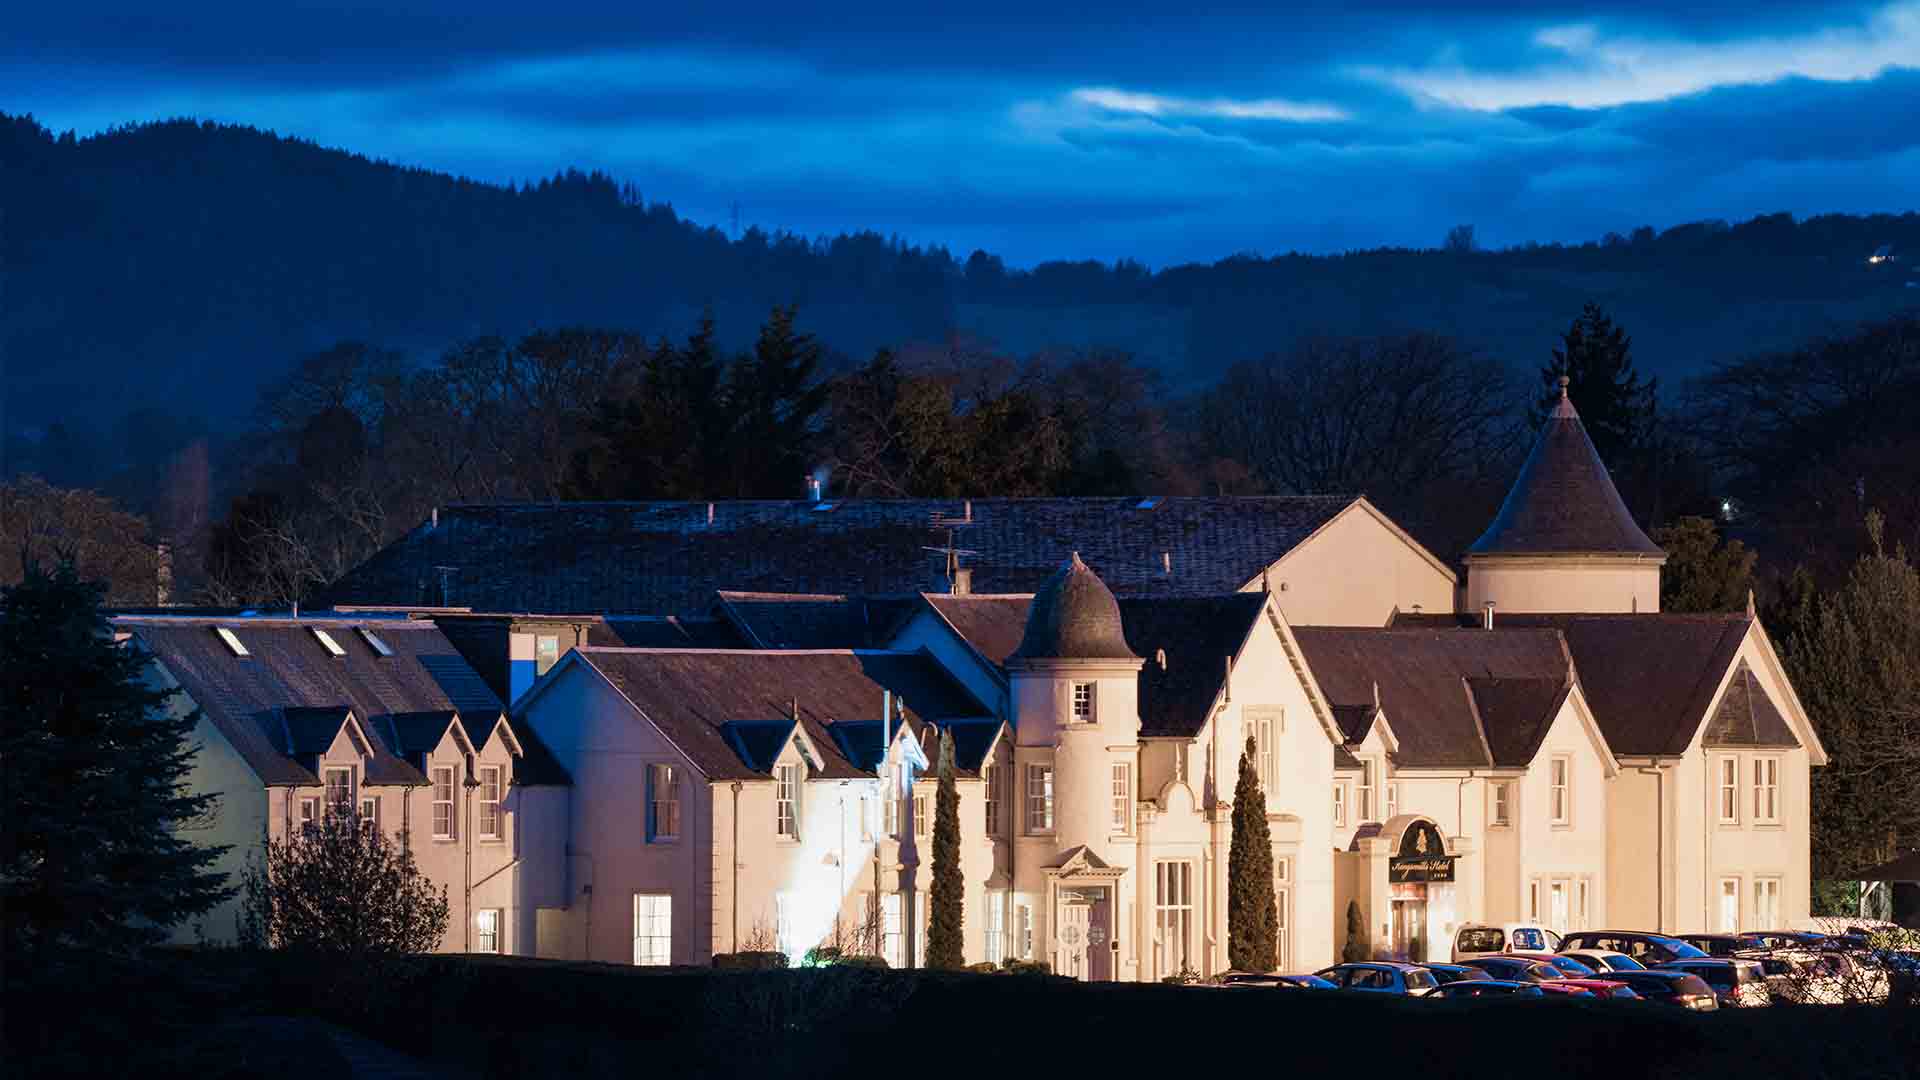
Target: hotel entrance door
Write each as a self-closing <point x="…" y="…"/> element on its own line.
<point x="1410" y="930"/>
<point x="1086" y="933"/>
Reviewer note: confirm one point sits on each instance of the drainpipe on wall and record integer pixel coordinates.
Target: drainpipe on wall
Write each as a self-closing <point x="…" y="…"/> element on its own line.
<point x="734" y="855"/>
<point x="466" y="859"/>
<point x="1659" y="844"/>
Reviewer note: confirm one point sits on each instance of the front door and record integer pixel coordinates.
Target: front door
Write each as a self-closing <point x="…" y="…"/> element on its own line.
<point x="1410" y="930"/>
<point x="1100" y="937"/>
<point x="1075" y="918"/>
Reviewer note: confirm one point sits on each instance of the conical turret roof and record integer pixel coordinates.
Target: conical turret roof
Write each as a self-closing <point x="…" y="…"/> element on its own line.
<point x="1564" y="502"/>
<point x="1074" y="617"/>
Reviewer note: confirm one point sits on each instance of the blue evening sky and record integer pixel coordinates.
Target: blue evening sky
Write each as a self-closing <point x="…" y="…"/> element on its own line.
<point x="1037" y="131"/>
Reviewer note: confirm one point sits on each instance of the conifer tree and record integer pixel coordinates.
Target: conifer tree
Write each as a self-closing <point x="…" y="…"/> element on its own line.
<point x="946" y="920"/>
<point x="1355" y="950"/>
<point x="1616" y="407"/>
<point x="1252" y="919"/>
<point x="95" y="762"/>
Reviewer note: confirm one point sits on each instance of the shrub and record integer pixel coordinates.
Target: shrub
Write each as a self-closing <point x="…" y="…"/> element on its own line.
<point x="1025" y="967"/>
<point x="876" y="963"/>
<point x="758" y="960"/>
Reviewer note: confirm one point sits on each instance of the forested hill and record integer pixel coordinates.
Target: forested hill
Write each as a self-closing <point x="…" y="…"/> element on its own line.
<point x="182" y="264"/>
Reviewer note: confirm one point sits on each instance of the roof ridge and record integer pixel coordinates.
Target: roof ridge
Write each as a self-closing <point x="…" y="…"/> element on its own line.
<point x="697" y="651"/>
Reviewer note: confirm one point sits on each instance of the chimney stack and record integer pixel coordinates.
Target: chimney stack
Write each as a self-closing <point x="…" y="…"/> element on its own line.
<point x="163" y="574"/>
<point x="813" y="488"/>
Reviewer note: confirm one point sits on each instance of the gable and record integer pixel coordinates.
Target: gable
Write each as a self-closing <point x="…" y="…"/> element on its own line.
<point x="1746" y="717"/>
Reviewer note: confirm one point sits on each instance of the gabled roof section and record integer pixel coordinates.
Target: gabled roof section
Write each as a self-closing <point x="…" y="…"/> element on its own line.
<point x="670" y="558"/>
<point x="993" y="625"/>
<point x="725" y="709"/>
<point x="1564" y="501"/>
<point x="1747" y="717"/>
<point x="814" y="621"/>
<point x="286" y="667"/>
<point x="1421" y="679"/>
<point x="1516" y="714"/>
<point x="1198" y="636"/>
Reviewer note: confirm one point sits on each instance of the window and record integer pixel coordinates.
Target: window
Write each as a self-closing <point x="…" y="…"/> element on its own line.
<point x="1363" y="799"/>
<point x="786" y="798"/>
<point x="1557" y="894"/>
<point x="1393" y="798"/>
<point x="1503" y="802"/>
<point x="486" y="930"/>
<point x="1766" y="903"/>
<point x="326" y="642"/>
<point x="546" y="653"/>
<point x="1122" y="797"/>
<point x="1533" y="900"/>
<point x="309" y="813"/>
<point x="892" y="941"/>
<point x="1580" y="904"/>
<point x="1339" y="805"/>
<point x="1766" y="790"/>
<point x="783" y="935"/>
<point x="369" y="813"/>
<point x="1023" y="929"/>
<point x="443" y="804"/>
<point x="1561" y="801"/>
<point x="1729" y="790"/>
<point x="1263" y="746"/>
<point x="891" y="809"/>
<point x="1172" y="915"/>
<point x="1283" y="869"/>
<point x="1083" y="702"/>
<point x="996" y="926"/>
<point x="663" y="803"/>
<point x="1282" y="913"/>
<point x="922" y="820"/>
<point x="490" y="820"/>
<point x="1729" y="905"/>
<point x="339" y="791"/>
<point x="379" y="647"/>
<point x="232" y="641"/>
<point x="990" y="776"/>
<point x="652" y="930"/>
<point x="1040" y="798"/>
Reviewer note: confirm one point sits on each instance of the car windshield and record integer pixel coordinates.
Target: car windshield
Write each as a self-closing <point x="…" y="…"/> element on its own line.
<point x="1420" y="980"/>
<point x="1720" y="978"/>
<point x="1484" y="939"/>
<point x="1572" y="967"/>
<point x="1529" y="940"/>
<point x="1623" y="962"/>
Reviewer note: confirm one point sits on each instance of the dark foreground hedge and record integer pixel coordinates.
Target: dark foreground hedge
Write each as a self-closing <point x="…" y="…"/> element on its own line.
<point x="501" y="1017"/>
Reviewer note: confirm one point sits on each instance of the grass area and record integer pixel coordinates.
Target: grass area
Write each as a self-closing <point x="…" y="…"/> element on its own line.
<point x="219" y="1014"/>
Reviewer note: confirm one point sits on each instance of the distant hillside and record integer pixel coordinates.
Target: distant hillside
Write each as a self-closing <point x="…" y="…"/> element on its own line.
<point x="181" y="264"/>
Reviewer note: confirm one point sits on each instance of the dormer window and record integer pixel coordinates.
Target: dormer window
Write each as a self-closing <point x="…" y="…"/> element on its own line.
<point x="339" y="791"/>
<point x="787" y="802"/>
<point x="1083" y="703"/>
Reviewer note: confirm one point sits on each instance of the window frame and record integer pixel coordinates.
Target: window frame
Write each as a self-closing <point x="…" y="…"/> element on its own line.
<point x="1120" y="789"/>
<point x="1724" y="894"/>
<point x="660" y="950"/>
<point x="786" y="802"/>
<point x="1340" y="804"/>
<point x="661" y="831"/>
<point x="1769" y="765"/>
<point x="331" y="804"/>
<point x="307" y="813"/>
<point x="436" y="802"/>
<point x="1264" y="752"/>
<point x="493" y="832"/>
<point x="1501" y="816"/>
<point x="1769" y="886"/>
<point x="1727" y="783"/>
<point x="990" y="779"/>
<point x="1083" y="703"/>
<point x="1039" y="799"/>
<point x="993" y="925"/>
<point x="922" y="820"/>
<point x="542" y="665"/>
<point x="369" y="812"/>
<point x="1560" y="791"/>
<point x="1363" y="792"/>
<point x="1173" y="910"/>
<point x="486" y="925"/>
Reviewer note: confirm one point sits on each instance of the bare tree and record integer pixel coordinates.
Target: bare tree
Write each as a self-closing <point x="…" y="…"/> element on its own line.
<point x="43" y="524"/>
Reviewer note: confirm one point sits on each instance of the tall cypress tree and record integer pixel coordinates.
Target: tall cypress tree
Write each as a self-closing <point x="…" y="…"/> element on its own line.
<point x="947" y="917"/>
<point x="1252" y="918"/>
<point x="89" y="857"/>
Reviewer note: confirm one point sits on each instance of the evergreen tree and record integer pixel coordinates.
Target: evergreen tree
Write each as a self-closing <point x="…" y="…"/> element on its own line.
<point x="1355" y="951"/>
<point x="1702" y="574"/>
<point x="339" y="887"/>
<point x="1617" y="408"/>
<point x="774" y="402"/>
<point x="95" y="763"/>
<point x="1252" y="918"/>
<point x="948" y="912"/>
<point x="1857" y="672"/>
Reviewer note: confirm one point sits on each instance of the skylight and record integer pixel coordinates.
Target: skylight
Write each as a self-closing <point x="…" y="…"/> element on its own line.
<point x="326" y="642"/>
<point x="821" y="508"/>
<point x="1147" y="503"/>
<point x="233" y="642"/>
<point x="374" y="642"/>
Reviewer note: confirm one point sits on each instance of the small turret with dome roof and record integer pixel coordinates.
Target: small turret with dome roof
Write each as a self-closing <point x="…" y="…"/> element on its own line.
<point x="1074" y="616"/>
<point x="1564" y="540"/>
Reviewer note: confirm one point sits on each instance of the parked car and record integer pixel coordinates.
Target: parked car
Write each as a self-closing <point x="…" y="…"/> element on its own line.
<point x="1737" y="983"/>
<point x="1644" y="947"/>
<point x="1482" y="988"/>
<point x="1481" y="939"/>
<point x="1517" y="968"/>
<point x="1719" y="946"/>
<point x="1446" y="974"/>
<point x="1782" y="939"/>
<point x="1381" y="977"/>
<point x="1569" y="967"/>
<point x="1605" y="989"/>
<point x="1564" y="988"/>
<point x="1283" y="982"/>
<point x="1671" y="988"/>
<point x="1602" y="961"/>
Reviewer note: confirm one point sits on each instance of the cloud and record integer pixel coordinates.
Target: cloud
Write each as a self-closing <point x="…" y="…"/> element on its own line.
<point x="1587" y="68"/>
<point x="1157" y="105"/>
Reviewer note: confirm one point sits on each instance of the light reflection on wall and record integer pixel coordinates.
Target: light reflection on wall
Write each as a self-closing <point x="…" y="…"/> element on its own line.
<point x="832" y="864"/>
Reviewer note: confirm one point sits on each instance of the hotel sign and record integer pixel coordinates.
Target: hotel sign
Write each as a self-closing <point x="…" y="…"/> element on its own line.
<point x="1422" y="856"/>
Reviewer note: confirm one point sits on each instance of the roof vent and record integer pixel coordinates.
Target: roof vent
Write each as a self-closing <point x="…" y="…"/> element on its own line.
<point x="232" y="641"/>
<point x="326" y="642"/>
<point x="373" y="642"/>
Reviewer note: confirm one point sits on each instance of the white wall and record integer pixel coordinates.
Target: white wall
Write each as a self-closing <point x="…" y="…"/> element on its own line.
<point x="1575" y="852"/>
<point x="1356" y="571"/>
<point x="927" y="630"/>
<point x="1563" y="584"/>
<point x="238" y="820"/>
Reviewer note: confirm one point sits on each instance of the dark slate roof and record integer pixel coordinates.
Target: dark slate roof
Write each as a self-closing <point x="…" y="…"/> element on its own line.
<point x="758" y="742"/>
<point x="810" y="621"/>
<point x="1422" y="676"/>
<point x="1355" y="721"/>
<point x="247" y="698"/>
<point x="1517" y="713"/>
<point x="664" y="632"/>
<point x="699" y="699"/>
<point x="665" y="558"/>
<point x="413" y="735"/>
<point x="1747" y="716"/>
<point x="1343" y="759"/>
<point x="1564" y="501"/>
<point x="1074" y="616"/>
<point x="993" y="625"/>
<point x="1648" y="678"/>
<point x="1198" y="635"/>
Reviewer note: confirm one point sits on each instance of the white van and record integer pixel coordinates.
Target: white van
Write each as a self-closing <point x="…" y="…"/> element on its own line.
<point x="1478" y="939"/>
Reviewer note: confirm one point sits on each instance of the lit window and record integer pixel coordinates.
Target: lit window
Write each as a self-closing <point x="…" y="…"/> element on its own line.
<point x="486" y="930"/>
<point x="1766" y="903"/>
<point x="996" y="926"/>
<point x="546" y="653"/>
<point x="1729" y="790"/>
<point x="1503" y="802"/>
<point x="490" y="820"/>
<point x="663" y="803"/>
<point x="1339" y="804"/>
<point x="1766" y="790"/>
<point x="1122" y="797"/>
<point x="786" y="802"/>
<point x="1729" y="905"/>
<point x="326" y="642"/>
<point x="652" y="930"/>
<point x="783" y="935"/>
<point x="1363" y="798"/>
<point x="1173" y="915"/>
<point x="1039" y="798"/>
<point x="232" y="641"/>
<point x="1561" y="801"/>
<point x="1083" y="702"/>
<point x="370" y="814"/>
<point x="339" y="791"/>
<point x="443" y="804"/>
<point x="375" y="643"/>
<point x="990" y="776"/>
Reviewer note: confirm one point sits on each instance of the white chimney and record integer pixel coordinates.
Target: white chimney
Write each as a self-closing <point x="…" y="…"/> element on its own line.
<point x="1489" y="619"/>
<point x="813" y="488"/>
<point x="962" y="582"/>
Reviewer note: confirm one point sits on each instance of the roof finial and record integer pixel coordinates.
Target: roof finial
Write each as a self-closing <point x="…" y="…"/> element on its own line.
<point x="1077" y="564"/>
<point x="1751" y="613"/>
<point x="1564" y="383"/>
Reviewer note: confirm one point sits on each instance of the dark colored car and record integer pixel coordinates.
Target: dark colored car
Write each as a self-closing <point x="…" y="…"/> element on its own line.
<point x="1644" y="947"/>
<point x="1570" y="968"/>
<point x="1781" y="939"/>
<point x="1517" y="968"/>
<point x="1670" y="988"/>
<point x="1736" y="982"/>
<point x="1283" y="982"/>
<point x="1445" y="974"/>
<point x="1718" y="946"/>
<point x="1602" y="961"/>
<point x="1605" y="989"/>
<point x="1381" y="977"/>
<point x="1564" y="988"/>
<point x="1483" y="988"/>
